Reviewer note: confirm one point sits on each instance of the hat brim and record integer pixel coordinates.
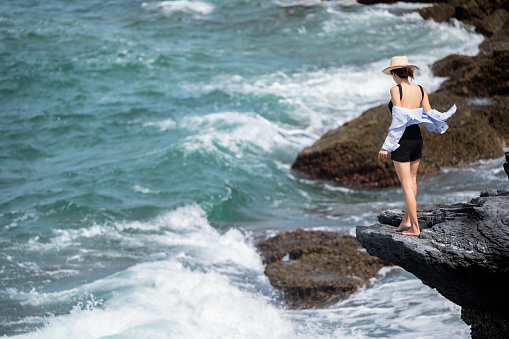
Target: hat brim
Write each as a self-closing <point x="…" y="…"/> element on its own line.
<point x="389" y="69"/>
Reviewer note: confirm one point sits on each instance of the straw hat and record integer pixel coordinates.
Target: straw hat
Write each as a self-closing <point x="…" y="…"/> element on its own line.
<point x="399" y="62"/>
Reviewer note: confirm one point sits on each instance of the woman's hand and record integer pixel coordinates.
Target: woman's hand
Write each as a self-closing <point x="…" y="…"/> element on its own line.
<point x="382" y="154"/>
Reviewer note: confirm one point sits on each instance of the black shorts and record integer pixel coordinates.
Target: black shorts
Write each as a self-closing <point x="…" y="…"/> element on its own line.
<point x="408" y="150"/>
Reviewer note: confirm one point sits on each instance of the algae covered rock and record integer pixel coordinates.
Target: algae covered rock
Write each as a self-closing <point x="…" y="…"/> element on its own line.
<point x="485" y="75"/>
<point x="316" y="269"/>
<point x="439" y="13"/>
<point x="486" y="15"/>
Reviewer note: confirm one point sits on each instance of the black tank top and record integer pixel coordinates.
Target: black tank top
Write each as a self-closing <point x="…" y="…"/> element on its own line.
<point x="412" y="132"/>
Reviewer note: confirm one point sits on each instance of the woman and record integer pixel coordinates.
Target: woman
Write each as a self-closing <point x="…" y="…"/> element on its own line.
<point x="409" y="106"/>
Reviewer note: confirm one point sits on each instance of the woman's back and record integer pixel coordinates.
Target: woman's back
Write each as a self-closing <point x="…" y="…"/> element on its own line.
<point x="412" y="96"/>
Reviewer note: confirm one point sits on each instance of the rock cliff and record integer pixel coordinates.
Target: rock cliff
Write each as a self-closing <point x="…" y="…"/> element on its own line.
<point x="463" y="252"/>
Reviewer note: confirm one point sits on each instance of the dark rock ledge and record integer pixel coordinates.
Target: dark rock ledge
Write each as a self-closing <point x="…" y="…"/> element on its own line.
<point x="316" y="269"/>
<point x="463" y="252"/>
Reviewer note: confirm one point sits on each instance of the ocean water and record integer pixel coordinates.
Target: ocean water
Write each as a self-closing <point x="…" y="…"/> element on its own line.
<point x="146" y="146"/>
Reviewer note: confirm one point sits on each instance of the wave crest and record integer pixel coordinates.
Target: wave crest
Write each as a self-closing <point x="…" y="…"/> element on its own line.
<point x="170" y="7"/>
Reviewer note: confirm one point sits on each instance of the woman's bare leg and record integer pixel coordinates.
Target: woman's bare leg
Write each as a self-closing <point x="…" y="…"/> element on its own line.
<point x="406" y="171"/>
<point x="405" y="223"/>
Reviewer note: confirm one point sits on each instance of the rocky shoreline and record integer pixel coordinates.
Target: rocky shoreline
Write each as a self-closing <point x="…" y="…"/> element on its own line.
<point x="478" y="85"/>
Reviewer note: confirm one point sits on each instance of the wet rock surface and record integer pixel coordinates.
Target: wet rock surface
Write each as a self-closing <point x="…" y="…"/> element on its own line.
<point x="478" y="85"/>
<point x="462" y="251"/>
<point x="316" y="269"/>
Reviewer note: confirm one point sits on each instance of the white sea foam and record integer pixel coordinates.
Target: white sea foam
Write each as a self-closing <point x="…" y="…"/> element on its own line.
<point x="206" y="284"/>
<point x="304" y="3"/>
<point x="27" y="215"/>
<point x="165" y="299"/>
<point x="448" y="186"/>
<point x="480" y="101"/>
<point x="311" y="93"/>
<point x="63" y="238"/>
<point x="202" y="290"/>
<point x="185" y="229"/>
<point x="338" y="188"/>
<point x="236" y="134"/>
<point x="163" y="125"/>
<point x="396" y="305"/>
<point x="169" y="7"/>
<point x="144" y="190"/>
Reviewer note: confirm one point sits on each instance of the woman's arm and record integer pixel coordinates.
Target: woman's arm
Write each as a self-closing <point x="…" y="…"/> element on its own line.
<point x="425" y="101"/>
<point x="396" y="101"/>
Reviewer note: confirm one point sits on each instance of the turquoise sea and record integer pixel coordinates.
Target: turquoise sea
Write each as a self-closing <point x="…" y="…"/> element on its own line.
<point x="146" y="145"/>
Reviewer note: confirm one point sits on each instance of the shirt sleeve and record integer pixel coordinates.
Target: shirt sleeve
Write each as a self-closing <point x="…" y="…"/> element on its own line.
<point x="434" y="120"/>
<point x="401" y="117"/>
<point x="392" y="141"/>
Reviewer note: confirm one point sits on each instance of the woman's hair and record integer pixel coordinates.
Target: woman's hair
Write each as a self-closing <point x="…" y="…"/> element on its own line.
<point x="404" y="72"/>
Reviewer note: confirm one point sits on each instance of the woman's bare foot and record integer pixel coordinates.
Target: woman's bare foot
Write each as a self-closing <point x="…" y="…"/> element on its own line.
<point x="403" y="228"/>
<point x="412" y="231"/>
